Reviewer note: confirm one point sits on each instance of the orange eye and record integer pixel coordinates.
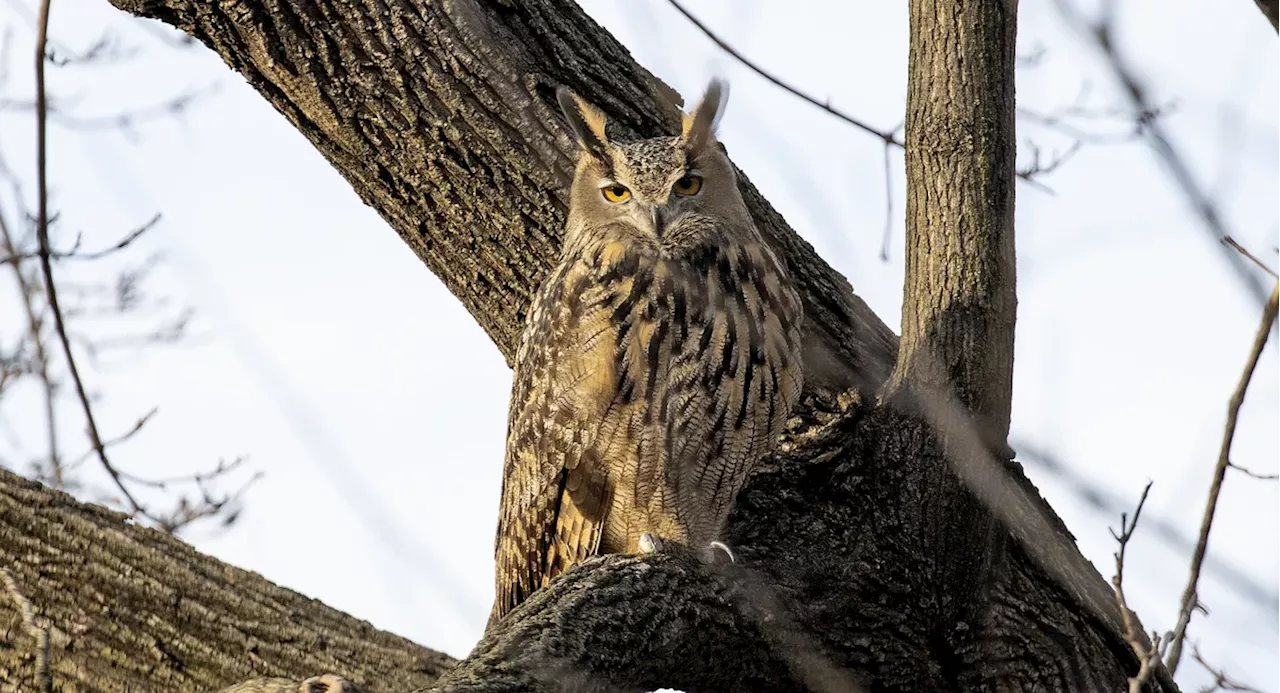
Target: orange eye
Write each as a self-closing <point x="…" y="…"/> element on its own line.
<point x="688" y="185"/>
<point x="616" y="193"/>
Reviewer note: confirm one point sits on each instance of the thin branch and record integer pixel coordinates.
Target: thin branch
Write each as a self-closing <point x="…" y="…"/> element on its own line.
<point x="1221" y="682"/>
<point x="1189" y="596"/>
<point x="172" y="108"/>
<point x="186" y="512"/>
<point x="74" y="253"/>
<point x="1058" y="119"/>
<point x="1245" y="252"/>
<point x="46" y="266"/>
<point x="137" y="426"/>
<point x="1037" y="168"/>
<point x="1148" y="655"/>
<point x="1249" y="472"/>
<point x="35" y="324"/>
<point x="44" y="677"/>
<point x="1100" y="32"/>
<point x="1105" y="501"/>
<point x="197" y="478"/>
<point x="889" y="137"/>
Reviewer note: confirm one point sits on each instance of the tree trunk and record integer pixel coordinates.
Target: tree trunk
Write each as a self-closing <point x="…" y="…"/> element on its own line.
<point x="958" y="303"/>
<point x="441" y="115"/>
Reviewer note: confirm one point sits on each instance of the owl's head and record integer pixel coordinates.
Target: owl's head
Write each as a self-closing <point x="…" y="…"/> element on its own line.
<point x="666" y="193"/>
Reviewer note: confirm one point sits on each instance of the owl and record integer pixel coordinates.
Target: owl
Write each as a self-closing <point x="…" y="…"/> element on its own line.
<point x="658" y="363"/>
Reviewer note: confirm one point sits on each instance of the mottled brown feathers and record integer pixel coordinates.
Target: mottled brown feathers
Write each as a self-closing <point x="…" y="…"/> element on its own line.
<point x="658" y="365"/>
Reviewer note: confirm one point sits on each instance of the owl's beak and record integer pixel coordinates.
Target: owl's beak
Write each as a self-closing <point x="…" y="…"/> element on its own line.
<point x="659" y="218"/>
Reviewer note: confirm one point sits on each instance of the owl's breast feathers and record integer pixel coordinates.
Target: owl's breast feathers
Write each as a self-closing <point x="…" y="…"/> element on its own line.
<point x="645" y="389"/>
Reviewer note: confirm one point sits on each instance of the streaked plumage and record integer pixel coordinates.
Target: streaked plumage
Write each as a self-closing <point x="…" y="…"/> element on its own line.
<point x="658" y="363"/>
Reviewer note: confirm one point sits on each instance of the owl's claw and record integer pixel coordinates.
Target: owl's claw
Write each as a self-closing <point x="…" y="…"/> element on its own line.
<point x="713" y="546"/>
<point x="328" y="683"/>
<point x="650" y="543"/>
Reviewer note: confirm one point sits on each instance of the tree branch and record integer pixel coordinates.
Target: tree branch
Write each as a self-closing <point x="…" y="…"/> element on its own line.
<point x="1099" y="32"/>
<point x="135" y="609"/>
<point x="1147" y="652"/>
<point x="1190" y="597"/>
<point x="51" y="289"/>
<point x="35" y="331"/>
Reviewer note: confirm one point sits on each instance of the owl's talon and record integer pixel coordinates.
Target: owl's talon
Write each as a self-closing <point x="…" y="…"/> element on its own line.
<point x="711" y="548"/>
<point x="328" y="683"/>
<point x="650" y="543"/>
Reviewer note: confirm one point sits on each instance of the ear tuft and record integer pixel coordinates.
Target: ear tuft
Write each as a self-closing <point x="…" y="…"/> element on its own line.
<point x="700" y="123"/>
<point x="585" y="121"/>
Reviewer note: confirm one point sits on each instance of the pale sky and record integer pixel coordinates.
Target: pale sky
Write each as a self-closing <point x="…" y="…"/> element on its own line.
<point x="375" y="406"/>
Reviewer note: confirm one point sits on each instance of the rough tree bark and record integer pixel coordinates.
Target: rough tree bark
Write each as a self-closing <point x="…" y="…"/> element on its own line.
<point x="958" y="302"/>
<point x="441" y="115"/>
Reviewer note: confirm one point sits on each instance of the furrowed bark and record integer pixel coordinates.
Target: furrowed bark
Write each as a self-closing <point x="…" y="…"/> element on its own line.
<point x="959" y="304"/>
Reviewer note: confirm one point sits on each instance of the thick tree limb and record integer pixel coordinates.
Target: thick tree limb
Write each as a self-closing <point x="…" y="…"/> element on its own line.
<point x="134" y="609"/>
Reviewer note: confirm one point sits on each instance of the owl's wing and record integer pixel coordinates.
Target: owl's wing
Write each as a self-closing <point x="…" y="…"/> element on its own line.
<point x="554" y="489"/>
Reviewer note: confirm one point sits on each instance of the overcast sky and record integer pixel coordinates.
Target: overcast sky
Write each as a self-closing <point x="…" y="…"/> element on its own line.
<point x="325" y="351"/>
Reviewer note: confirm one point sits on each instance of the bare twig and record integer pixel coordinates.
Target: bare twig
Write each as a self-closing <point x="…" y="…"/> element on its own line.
<point x="1245" y="252"/>
<point x="44" y="677"/>
<point x="1221" y="682"/>
<point x="1100" y="32"/>
<point x="1148" y="655"/>
<point x="186" y="512"/>
<point x="175" y="107"/>
<point x="1189" y="596"/>
<point x="1249" y="472"/>
<point x="14" y="257"/>
<point x="1036" y="167"/>
<point x="51" y="290"/>
<point x="1107" y="502"/>
<point x="53" y="475"/>
<point x="888" y="137"/>
<point x="197" y="478"/>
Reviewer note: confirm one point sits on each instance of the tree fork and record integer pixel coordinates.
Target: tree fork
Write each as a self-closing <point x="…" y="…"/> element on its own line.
<point x="441" y="115"/>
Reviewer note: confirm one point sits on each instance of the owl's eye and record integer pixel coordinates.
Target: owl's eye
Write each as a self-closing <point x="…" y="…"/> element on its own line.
<point x="688" y="185"/>
<point x="616" y="193"/>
